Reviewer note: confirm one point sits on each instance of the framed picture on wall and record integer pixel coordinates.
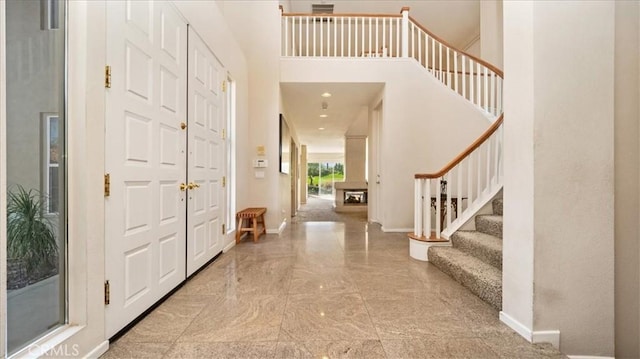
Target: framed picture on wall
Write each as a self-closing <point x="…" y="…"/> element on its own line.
<point x="285" y="146"/>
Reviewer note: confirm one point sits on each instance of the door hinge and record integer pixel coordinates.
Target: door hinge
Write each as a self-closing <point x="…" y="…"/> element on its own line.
<point x="224" y="133"/>
<point x="224" y="86"/>
<point x="224" y="229"/>
<point x="107" y="76"/>
<point x="107" y="293"/>
<point x="107" y="185"/>
<point x="224" y="181"/>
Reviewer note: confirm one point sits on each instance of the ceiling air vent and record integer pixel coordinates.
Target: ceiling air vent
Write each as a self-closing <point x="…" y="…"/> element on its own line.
<point x="321" y="9"/>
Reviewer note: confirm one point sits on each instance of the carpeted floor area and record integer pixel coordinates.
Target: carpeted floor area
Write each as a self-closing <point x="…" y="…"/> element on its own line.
<point x="318" y="209"/>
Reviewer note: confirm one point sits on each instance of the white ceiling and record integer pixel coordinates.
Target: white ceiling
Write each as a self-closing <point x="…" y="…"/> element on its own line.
<point x="303" y="106"/>
<point x="455" y="21"/>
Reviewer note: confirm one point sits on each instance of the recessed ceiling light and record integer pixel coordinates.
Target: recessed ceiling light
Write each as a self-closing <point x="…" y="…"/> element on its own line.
<point x="324" y="115"/>
<point x="320" y="128"/>
<point x="326" y="94"/>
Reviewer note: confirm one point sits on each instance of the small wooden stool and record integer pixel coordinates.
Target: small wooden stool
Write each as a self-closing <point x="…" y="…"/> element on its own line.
<point x="254" y="216"/>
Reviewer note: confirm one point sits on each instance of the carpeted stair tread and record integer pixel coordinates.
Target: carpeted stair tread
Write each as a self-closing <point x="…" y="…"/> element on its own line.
<point x="489" y="224"/>
<point x="496" y="204"/>
<point x="480" y="245"/>
<point x="482" y="279"/>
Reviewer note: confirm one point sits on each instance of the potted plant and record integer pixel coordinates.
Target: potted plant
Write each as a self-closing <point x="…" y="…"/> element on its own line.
<point x="32" y="250"/>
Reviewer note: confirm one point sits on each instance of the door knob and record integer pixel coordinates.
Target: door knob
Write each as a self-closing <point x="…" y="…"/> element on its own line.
<point x="193" y="185"/>
<point x="183" y="187"/>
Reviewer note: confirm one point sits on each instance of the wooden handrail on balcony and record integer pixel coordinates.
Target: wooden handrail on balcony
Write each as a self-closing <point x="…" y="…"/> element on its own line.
<point x="477" y="143"/>
<point x="341" y="15"/>
<point x="439" y="39"/>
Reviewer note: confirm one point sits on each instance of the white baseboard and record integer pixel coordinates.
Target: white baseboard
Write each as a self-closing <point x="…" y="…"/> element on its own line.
<point x="229" y="246"/>
<point x="396" y="230"/>
<point x="515" y="325"/>
<point x="538" y="336"/>
<point x="98" y="351"/>
<point x="589" y="357"/>
<point x="546" y="336"/>
<point x="278" y="231"/>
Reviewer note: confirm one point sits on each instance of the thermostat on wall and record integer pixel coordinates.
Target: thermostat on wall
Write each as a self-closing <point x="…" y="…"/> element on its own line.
<point x="260" y="163"/>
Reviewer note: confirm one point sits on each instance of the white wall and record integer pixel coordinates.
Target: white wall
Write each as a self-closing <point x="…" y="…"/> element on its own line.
<point x="518" y="237"/>
<point x="627" y="179"/>
<point x="491" y="34"/>
<point x="561" y="93"/>
<point x="256" y="25"/>
<point x="425" y="124"/>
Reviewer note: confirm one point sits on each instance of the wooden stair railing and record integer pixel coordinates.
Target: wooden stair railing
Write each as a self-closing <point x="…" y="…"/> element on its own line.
<point x="460" y="188"/>
<point x="380" y="36"/>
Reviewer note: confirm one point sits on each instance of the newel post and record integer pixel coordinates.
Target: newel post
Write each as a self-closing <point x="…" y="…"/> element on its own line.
<point x="405" y="31"/>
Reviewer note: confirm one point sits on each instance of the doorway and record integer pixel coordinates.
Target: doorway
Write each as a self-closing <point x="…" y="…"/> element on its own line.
<point x="375" y="166"/>
<point x="165" y="156"/>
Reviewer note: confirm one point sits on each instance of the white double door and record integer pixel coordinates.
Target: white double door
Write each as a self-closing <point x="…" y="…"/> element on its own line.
<point x="164" y="156"/>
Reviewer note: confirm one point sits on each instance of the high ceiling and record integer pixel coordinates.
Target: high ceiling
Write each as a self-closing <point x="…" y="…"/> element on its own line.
<point x="455" y="21"/>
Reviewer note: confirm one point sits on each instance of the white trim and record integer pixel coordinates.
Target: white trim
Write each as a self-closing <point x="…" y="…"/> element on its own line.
<point x="50" y="344"/>
<point x="546" y="336"/>
<point x="3" y="184"/>
<point x="537" y="336"/>
<point x="588" y="357"/>
<point x="397" y="230"/>
<point x="515" y="325"/>
<point x="279" y="230"/>
<point x="98" y="351"/>
<point x="419" y="249"/>
<point x="230" y="245"/>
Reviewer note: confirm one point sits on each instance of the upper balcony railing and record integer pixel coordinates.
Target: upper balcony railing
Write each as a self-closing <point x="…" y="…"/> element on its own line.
<point x="394" y="36"/>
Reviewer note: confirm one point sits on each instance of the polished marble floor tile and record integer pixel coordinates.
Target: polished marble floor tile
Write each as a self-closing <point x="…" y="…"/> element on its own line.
<point x="231" y="350"/>
<point x="323" y="290"/>
<point x="369" y="349"/>
<point x="326" y="317"/>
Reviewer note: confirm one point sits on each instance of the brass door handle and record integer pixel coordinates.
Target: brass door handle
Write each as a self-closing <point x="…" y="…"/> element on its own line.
<point x="193" y="185"/>
<point x="183" y="187"/>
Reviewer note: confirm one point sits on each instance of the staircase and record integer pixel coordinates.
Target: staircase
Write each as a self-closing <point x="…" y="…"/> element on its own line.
<point x="475" y="259"/>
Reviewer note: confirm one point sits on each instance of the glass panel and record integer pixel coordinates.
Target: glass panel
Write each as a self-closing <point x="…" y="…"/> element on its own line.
<point x="322" y="176"/>
<point x="36" y="200"/>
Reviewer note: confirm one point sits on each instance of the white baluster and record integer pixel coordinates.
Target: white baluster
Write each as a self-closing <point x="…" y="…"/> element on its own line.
<point x="488" y="183"/>
<point x="413" y="40"/>
<point x="440" y="60"/>
<point x="455" y="71"/>
<point x="364" y="25"/>
<point x="341" y="37"/>
<point x="427" y="208"/>
<point x="349" y="38"/>
<point x="371" y="50"/>
<point x="384" y="38"/>
<point x="471" y="78"/>
<point x="308" y="30"/>
<point x="459" y="202"/>
<point x="486" y="89"/>
<point x="321" y="35"/>
<point x="448" y="68"/>
<point x="405" y="33"/>
<point x="335" y="37"/>
<point x="499" y="97"/>
<point x="417" y="207"/>
<point x="433" y="57"/>
<point x="356" y="38"/>
<point x="478" y="86"/>
<point x="286" y="36"/>
<point x="398" y="42"/>
<point x="469" y="179"/>
<point x="438" y="206"/>
<point x="419" y="47"/>
<point x="448" y="194"/>
<point x="479" y="170"/>
<point x="492" y="103"/>
<point x="377" y="48"/>
<point x="463" y="59"/>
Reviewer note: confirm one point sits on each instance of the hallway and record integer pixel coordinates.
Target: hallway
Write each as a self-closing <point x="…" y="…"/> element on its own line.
<point x="323" y="290"/>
